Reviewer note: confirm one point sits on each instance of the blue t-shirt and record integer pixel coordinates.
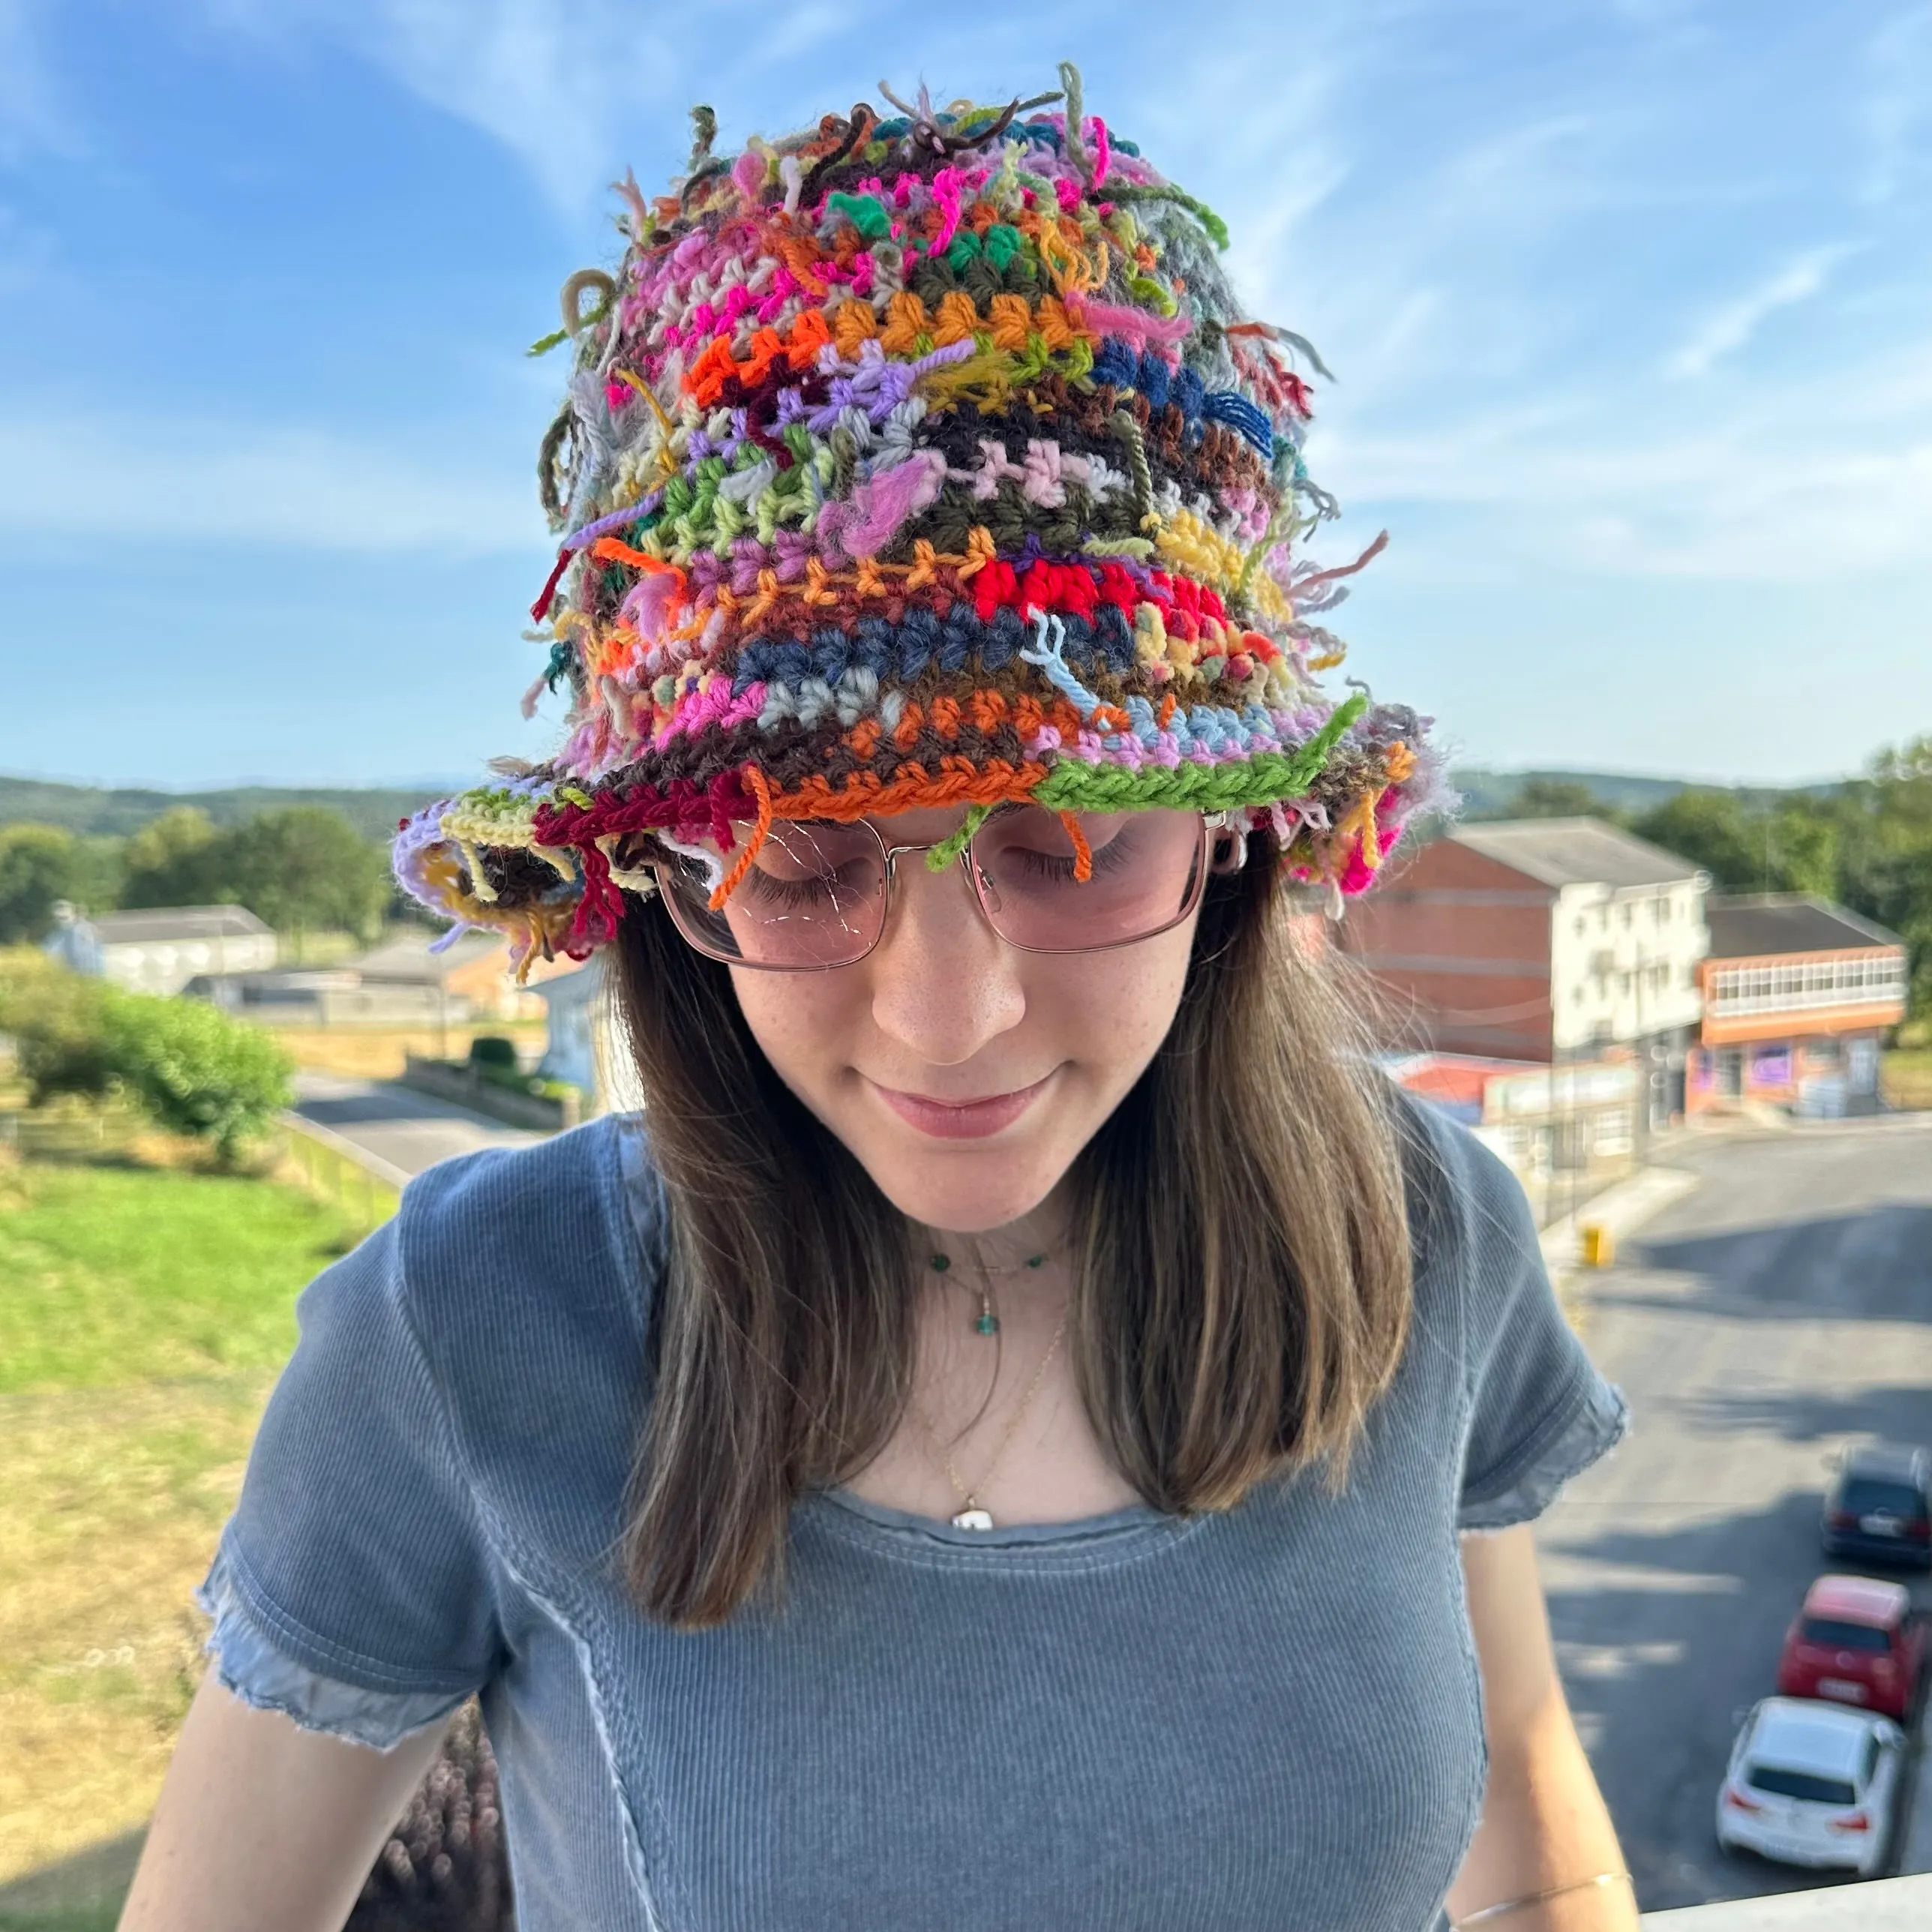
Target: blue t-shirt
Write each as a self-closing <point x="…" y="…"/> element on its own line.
<point x="1270" y="1718"/>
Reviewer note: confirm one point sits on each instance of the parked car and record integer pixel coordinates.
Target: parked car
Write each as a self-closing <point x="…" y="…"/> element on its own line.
<point x="1879" y="1508"/>
<point x="1812" y="1783"/>
<point x="1855" y="1641"/>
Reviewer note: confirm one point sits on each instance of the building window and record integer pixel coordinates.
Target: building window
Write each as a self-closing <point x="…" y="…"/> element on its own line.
<point x="1864" y="981"/>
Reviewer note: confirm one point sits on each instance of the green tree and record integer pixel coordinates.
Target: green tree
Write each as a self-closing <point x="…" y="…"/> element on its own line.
<point x="1884" y="868"/>
<point x="40" y="864"/>
<point x="306" y="867"/>
<point x="1709" y="827"/>
<point x="175" y="859"/>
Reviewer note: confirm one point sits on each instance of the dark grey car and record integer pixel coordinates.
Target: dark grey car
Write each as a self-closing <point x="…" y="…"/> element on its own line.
<point x="1878" y="1509"/>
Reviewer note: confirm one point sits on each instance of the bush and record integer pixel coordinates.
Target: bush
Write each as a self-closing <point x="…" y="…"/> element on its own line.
<point x="192" y="1068"/>
<point x="56" y="1019"/>
<point x="195" y="1070"/>
<point x="492" y="1049"/>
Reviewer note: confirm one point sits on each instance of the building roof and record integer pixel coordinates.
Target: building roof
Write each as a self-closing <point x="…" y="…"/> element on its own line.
<point x="1770" y="922"/>
<point x="408" y="957"/>
<point x="1574" y="852"/>
<point x="162" y="924"/>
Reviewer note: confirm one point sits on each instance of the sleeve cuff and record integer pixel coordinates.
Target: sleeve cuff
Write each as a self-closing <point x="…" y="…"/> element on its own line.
<point x="247" y="1663"/>
<point x="1578" y="1433"/>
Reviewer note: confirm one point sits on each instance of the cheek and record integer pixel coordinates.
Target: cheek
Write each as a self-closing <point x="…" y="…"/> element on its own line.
<point x="807" y="1025"/>
<point x="1108" y="1012"/>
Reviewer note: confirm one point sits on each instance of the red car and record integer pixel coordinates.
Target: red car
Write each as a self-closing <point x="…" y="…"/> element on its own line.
<point x="1856" y="1641"/>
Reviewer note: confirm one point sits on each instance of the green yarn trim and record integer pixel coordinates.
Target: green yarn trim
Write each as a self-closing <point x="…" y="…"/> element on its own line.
<point x="1266" y="778"/>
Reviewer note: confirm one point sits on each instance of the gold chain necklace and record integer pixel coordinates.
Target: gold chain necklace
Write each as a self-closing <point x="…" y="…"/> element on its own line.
<point x="972" y="1514"/>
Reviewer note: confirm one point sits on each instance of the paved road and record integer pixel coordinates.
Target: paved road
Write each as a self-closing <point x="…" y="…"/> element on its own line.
<point x="1784" y="1308"/>
<point x="410" y="1130"/>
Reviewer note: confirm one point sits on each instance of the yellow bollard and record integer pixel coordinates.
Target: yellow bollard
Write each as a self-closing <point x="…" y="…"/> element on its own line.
<point x="1600" y="1247"/>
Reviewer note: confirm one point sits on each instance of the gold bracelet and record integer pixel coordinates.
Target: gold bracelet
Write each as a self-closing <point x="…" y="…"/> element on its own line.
<point x="1488" y="1912"/>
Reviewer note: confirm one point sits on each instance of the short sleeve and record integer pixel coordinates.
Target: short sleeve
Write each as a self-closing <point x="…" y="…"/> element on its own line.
<point x="352" y="1588"/>
<point x="1540" y="1412"/>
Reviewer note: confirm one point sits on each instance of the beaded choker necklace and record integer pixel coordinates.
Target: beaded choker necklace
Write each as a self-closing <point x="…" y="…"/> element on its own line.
<point x="988" y="1321"/>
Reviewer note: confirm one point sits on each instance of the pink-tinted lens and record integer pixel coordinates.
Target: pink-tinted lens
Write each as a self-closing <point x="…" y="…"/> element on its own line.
<point x="1146" y="874"/>
<point x="815" y="897"/>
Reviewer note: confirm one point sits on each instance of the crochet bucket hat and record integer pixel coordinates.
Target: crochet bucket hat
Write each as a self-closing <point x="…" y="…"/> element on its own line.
<point x="915" y="460"/>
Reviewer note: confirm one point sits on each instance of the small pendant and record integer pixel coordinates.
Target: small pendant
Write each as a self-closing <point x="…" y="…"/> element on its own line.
<point x="973" y="1519"/>
<point x="988" y="1324"/>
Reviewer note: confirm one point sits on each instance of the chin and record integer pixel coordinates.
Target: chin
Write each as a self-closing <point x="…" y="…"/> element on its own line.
<point x="963" y="1188"/>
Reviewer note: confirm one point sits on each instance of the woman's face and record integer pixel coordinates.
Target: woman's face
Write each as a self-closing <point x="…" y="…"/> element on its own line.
<point x="964" y="1074"/>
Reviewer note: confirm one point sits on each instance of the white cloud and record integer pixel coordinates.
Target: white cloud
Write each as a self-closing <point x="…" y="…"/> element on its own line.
<point x="70" y="475"/>
<point x="1728" y="328"/>
<point x="1743" y="496"/>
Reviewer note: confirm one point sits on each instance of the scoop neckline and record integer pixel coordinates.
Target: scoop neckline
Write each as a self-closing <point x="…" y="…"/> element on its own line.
<point x="1131" y="1522"/>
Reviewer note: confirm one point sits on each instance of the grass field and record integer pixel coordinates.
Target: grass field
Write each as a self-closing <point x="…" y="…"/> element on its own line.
<point x="145" y="1313"/>
<point x="1906" y="1074"/>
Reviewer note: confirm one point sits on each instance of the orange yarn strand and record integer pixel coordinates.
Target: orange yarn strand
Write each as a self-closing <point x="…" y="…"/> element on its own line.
<point x="1083" y="852"/>
<point x="755" y="783"/>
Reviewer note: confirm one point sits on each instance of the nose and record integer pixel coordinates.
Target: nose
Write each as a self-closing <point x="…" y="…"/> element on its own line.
<point x="943" y="983"/>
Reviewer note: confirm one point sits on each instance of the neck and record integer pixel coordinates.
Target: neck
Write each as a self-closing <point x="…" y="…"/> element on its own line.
<point x="1044" y="1231"/>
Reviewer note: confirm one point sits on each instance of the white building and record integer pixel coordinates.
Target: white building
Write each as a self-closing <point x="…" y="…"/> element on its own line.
<point x="160" y="951"/>
<point x="1550" y="940"/>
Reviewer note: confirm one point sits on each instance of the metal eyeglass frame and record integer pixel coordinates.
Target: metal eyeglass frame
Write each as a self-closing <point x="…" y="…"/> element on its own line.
<point x="1213" y="824"/>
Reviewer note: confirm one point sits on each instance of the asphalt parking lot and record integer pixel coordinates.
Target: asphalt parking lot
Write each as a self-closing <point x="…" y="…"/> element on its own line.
<point x="1779" y="1310"/>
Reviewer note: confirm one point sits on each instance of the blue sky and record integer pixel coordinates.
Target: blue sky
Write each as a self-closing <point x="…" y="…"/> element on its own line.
<point x="1630" y="303"/>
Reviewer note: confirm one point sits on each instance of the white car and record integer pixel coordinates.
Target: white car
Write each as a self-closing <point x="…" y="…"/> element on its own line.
<point x="1812" y="1783"/>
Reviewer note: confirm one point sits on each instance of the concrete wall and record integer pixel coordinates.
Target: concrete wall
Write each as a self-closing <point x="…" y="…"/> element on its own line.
<point x="1461" y="945"/>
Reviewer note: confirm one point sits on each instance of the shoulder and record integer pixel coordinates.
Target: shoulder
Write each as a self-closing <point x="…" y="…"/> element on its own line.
<point x="1476" y="1254"/>
<point x="1464" y="1203"/>
<point x="494" y="1242"/>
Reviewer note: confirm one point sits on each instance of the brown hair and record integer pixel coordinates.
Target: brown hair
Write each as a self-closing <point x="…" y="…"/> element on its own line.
<point x="1241" y="1292"/>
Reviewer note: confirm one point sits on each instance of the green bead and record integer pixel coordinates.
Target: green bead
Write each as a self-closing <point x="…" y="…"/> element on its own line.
<point x="987" y="1325"/>
<point x="940" y="1263"/>
<point x="1035" y="1261"/>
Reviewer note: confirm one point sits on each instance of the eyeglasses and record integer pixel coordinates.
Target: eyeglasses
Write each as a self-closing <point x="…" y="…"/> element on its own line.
<point x="818" y="894"/>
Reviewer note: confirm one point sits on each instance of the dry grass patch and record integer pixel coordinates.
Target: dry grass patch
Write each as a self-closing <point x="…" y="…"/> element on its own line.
<point x="115" y="1498"/>
<point x="146" y="1312"/>
<point x="375" y="1053"/>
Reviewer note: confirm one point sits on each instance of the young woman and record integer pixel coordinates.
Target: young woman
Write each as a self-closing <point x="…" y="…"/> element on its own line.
<point x="987" y="1448"/>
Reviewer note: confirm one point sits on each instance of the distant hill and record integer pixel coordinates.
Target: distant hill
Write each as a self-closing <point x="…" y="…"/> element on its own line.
<point x="1489" y="794"/>
<point x="88" y="809"/>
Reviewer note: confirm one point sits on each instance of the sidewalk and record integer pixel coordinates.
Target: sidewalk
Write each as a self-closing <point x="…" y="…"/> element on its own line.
<point x="402" y="1129"/>
<point x="1622" y="1210"/>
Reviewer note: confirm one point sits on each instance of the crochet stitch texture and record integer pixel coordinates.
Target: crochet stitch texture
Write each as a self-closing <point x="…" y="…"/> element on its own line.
<point x="921" y="460"/>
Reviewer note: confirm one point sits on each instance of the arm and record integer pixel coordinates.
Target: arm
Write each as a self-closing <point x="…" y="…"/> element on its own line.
<point x="261" y="1822"/>
<point x="1544" y="1821"/>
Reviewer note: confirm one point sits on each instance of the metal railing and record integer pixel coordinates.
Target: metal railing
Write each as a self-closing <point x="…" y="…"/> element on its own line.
<point x="364" y="1186"/>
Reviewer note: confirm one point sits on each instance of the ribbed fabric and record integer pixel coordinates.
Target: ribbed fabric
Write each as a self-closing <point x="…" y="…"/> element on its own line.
<point x="1269" y="1719"/>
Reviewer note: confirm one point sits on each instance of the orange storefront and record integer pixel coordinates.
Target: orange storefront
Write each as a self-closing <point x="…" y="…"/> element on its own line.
<point x="1798" y="996"/>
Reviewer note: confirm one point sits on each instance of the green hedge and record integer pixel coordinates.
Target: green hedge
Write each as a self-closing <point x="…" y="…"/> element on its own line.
<point x="190" y="1067"/>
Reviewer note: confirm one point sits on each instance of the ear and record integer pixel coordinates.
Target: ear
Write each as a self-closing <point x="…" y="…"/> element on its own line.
<point x="1229" y="852"/>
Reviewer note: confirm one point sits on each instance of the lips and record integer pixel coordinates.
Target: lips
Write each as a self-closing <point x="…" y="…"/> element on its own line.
<point x="960" y="1120"/>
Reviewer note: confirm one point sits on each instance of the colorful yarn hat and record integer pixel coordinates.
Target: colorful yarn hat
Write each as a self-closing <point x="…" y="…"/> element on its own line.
<point x="911" y="461"/>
